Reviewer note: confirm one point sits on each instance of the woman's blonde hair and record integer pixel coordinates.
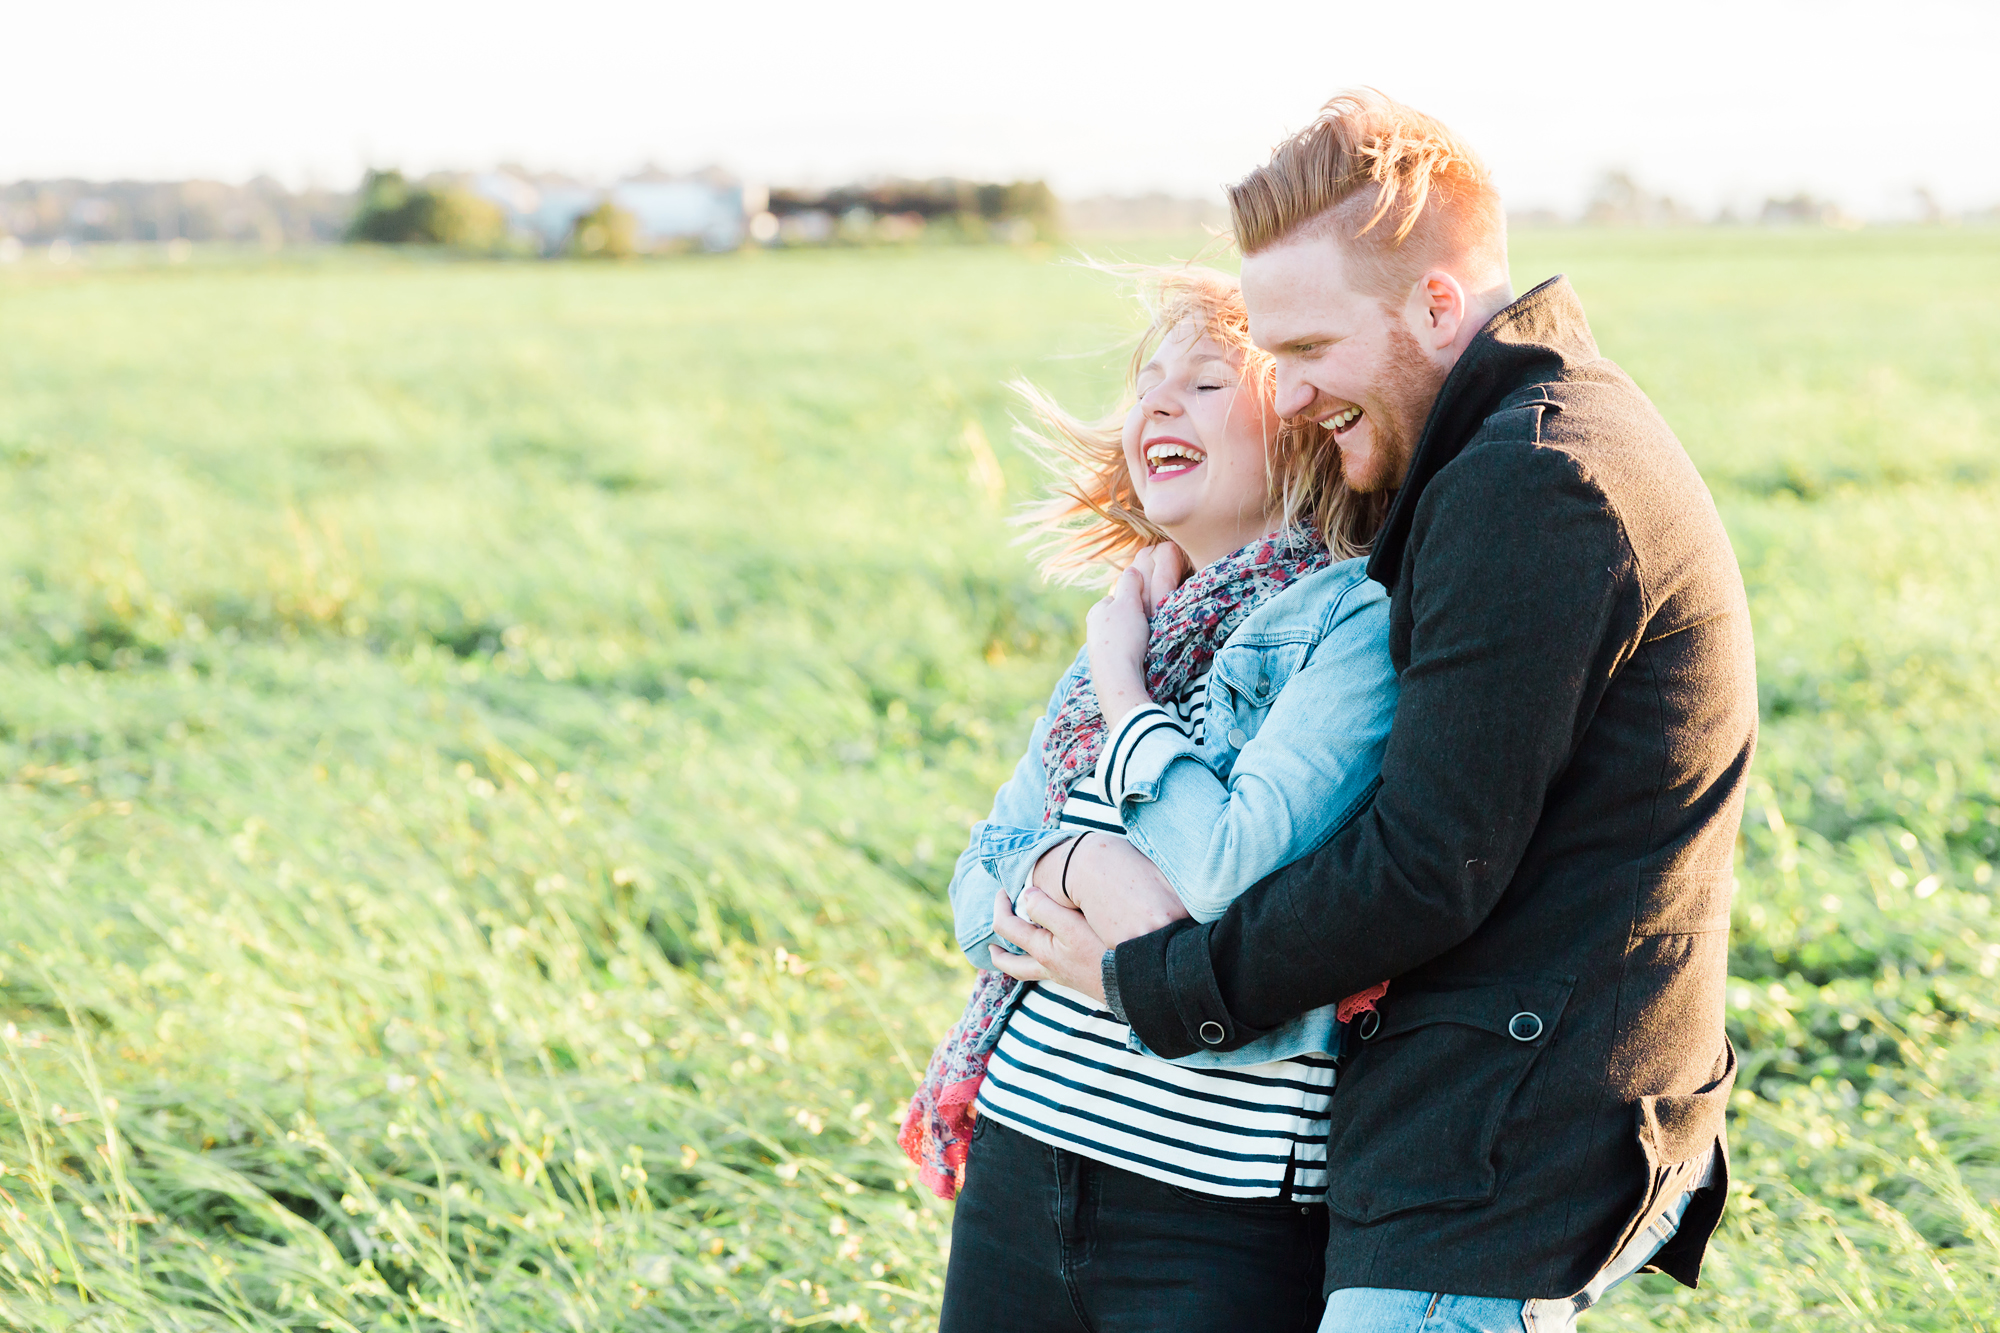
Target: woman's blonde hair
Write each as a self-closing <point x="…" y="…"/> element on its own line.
<point x="1092" y="516"/>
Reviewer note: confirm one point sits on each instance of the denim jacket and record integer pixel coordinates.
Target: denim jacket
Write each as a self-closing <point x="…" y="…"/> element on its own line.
<point x="1299" y="702"/>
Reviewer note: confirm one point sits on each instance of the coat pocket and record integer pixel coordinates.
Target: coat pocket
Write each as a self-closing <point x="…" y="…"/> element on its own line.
<point x="1437" y="1078"/>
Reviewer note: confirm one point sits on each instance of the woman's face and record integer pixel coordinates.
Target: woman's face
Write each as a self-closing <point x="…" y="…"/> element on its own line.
<point x="1197" y="443"/>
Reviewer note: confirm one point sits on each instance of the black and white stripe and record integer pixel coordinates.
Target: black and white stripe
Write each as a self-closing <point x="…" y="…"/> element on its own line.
<point x="1152" y="726"/>
<point x="1062" y="1073"/>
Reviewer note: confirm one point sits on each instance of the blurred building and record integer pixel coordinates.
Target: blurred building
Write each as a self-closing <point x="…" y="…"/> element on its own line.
<point x="897" y="210"/>
<point x="702" y="211"/>
<point x="707" y="209"/>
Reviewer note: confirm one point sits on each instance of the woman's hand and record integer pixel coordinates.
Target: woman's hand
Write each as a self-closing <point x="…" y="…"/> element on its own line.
<point x="1116" y="631"/>
<point x="1119" y="627"/>
<point x="1119" y="890"/>
<point x="1163" y="567"/>
<point x="1052" y="870"/>
<point x="1115" y="885"/>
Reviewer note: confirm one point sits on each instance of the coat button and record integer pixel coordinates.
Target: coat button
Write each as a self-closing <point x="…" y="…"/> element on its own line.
<point x="1524" y="1026"/>
<point x="1212" y="1033"/>
<point x="1237" y="738"/>
<point x="1368" y="1025"/>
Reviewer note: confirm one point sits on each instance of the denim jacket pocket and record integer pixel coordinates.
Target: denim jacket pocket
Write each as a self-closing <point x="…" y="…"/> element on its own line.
<point x="1246" y="681"/>
<point x="1255" y="671"/>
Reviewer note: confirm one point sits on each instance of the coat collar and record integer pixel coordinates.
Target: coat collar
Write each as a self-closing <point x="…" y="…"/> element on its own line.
<point x="1530" y="342"/>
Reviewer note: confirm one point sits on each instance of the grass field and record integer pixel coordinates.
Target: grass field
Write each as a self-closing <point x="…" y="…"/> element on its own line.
<point x="483" y="747"/>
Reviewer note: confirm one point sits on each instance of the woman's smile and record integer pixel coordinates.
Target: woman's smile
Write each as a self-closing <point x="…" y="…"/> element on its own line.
<point x="1169" y="456"/>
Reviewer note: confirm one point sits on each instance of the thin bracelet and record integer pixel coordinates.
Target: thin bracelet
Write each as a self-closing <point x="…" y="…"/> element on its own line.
<point x="1063" y="883"/>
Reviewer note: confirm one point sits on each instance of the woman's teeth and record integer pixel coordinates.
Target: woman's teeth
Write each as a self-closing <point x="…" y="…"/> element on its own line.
<point x="1342" y="419"/>
<point x="1165" y="460"/>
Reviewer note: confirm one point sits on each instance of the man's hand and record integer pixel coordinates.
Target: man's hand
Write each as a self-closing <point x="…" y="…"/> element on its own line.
<point x="1060" y="944"/>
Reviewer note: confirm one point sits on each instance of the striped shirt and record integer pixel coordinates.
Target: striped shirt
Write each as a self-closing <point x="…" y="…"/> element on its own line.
<point x="1062" y="1073"/>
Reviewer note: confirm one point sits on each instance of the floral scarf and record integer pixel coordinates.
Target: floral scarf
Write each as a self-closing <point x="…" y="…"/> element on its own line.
<point x="1192" y="622"/>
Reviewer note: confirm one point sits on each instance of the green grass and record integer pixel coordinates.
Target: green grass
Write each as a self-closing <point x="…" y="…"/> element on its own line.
<point x="483" y="747"/>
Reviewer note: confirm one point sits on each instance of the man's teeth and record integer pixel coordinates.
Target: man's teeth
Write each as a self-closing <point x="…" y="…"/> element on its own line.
<point x="1340" y="420"/>
<point x="1158" y="454"/>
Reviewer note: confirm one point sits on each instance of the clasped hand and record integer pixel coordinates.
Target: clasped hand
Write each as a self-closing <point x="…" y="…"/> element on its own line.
<point x="1118" y="628"/>
<point x="1113" y="894"/>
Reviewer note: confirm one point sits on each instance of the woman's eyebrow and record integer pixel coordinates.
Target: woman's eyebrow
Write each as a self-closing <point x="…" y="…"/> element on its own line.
<point x="1199" y="359"/>
<point x="1153" y="367"/>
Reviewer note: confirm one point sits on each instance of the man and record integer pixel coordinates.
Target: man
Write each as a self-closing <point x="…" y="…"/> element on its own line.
<point x="1535" y="1108"/>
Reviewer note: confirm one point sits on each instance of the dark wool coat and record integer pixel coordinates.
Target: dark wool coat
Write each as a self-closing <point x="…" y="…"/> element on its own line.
<point x="1545" y="868"/>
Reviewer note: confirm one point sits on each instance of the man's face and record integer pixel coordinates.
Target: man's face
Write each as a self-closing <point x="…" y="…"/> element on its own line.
<point x="1345" y="357"/>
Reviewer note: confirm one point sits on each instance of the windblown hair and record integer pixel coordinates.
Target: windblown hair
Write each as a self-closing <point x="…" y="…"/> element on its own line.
<point x="1092" y="517"/>
<point x="1401" y="191"/>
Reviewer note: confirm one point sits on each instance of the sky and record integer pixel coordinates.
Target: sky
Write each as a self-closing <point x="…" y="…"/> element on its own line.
<point x="1714" y="102"/>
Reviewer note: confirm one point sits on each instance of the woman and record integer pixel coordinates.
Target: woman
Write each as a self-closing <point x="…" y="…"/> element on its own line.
<point x="1211" y="731"/>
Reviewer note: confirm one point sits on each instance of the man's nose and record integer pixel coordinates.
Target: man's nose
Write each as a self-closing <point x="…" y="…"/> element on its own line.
<point x="1293" y="395"/>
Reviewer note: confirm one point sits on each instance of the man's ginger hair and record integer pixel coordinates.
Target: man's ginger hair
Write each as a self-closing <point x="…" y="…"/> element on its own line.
<point x="1401" y="192"/>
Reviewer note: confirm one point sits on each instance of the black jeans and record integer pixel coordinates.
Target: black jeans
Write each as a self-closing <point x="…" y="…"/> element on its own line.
<point x="1046" y="1240"/>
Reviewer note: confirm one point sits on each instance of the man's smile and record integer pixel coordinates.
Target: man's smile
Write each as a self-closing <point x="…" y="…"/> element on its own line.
<point x="1341" y="420"/>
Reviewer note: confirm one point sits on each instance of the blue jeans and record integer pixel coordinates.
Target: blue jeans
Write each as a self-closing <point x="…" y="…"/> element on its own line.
<point x="1385" y="1310"/>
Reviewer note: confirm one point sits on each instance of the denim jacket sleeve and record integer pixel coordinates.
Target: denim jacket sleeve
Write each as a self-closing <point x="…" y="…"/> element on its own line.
<point x="1006" y="844"/>
<point x="1306" y="760"/>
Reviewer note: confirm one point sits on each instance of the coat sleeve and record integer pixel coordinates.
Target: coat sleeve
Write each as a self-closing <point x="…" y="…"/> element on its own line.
<point x="1522" y="603"/>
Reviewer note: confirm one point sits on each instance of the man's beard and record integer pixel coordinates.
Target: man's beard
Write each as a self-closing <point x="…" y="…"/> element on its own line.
<point x="1407" y="387"/>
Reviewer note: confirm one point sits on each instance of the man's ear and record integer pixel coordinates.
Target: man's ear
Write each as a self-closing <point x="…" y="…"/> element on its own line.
<point x="1437" y="310"/>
